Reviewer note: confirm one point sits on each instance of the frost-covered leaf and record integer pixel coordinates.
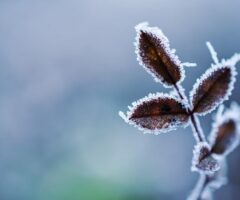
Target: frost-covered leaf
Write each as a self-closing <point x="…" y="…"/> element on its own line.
<point x="157" y="113"/>
<point x="208" y="183"/>
<point x="203" y="160"/>
<point x="226" y="131"/>
<point x="208" y="164"/>
<point x="215" y="86"/>
<point x="154" y="54"/>
<point x="226" y="137"/>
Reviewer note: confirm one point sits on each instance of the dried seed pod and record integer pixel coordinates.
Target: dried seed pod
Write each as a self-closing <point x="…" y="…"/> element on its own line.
<point x="157" y="113"/>
<point x="154" y="54"/>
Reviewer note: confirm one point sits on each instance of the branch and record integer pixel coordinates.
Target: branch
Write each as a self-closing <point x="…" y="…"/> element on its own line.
<point x="196" y="126"/>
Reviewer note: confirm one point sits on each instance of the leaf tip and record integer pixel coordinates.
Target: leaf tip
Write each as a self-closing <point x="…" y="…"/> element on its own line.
<point x="123" y="116"/>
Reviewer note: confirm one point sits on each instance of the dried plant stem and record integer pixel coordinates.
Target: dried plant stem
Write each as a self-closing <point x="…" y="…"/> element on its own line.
<point x="199" y="138"/>
<point x="194" y="120"/>
<point x="197" y="128"/>
<point x="200" y="187"/>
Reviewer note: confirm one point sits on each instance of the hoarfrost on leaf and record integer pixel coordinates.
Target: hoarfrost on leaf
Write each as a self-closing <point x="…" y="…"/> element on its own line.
<point x="154" y="54"/>
<point x="197" y="192"/>
<point x="157" y="113"/>
<point x="203" y="160"/>
<point x="214" y="87"/>
<point x="197" y="133"/>
<point x="225" y="134"/>
<point x="219" y="178"/>
<point x="160" y="112"/>
<point x="210" y="182"/>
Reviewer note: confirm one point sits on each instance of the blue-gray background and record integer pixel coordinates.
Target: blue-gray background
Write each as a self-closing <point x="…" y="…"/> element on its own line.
<point x="68" y="66"/>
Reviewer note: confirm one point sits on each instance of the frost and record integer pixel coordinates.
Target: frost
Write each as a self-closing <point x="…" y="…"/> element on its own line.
<point x="188" y="64"/>
<point x="213" y="53"/>
<point x="174" y="94"/>
<point x="197" y="191"/>
<point x="200" y="131"/>
<point x="207" y="76"/>
<point x="219" y="178"/>
<point x="184" y="97"/>
<point x="202" y="159"/>
<point x="230" y="136"/>
<point x="207" y="184"/>
<point x="219" y="113"/>
<point x="233" y="60"/>
<point x="123" y="116"/>
<point x="164" y="43"/>
<point x="160" y="112"/>
<point x="173" y="51"/>
<point x="167" y="122"/>
<point x="229" y="63"/>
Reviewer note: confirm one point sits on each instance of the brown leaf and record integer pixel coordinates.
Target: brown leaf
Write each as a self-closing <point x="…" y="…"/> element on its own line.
<point x="208" y="164"/>
<point x="212" y="89"/>
<point x="158" y="113"/>
<point x="226" y="137"/>
<point x="203" y="160"/>
<point x="156" y="57"/>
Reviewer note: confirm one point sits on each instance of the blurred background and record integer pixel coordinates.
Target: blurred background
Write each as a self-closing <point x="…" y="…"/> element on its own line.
<point x="68" y="66"/>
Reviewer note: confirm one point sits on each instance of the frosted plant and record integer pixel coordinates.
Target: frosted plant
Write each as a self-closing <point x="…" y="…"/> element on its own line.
<point x="159" y="113"/>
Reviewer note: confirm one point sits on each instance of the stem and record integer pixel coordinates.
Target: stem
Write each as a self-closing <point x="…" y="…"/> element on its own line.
<point x="200" y="187"/>
<point x="194" y="120"/>
<point x="199" y="136"/>
<point x="195" y="123"/>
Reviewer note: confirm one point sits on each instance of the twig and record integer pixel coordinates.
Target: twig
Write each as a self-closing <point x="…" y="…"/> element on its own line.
<point x="194" y="120"/>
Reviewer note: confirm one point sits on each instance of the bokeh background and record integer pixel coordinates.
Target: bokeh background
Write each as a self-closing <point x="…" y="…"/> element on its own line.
<point x="68" y="66"/>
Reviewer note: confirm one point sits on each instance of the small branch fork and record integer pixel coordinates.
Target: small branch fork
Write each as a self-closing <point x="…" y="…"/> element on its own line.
<point x="194" y="120"/>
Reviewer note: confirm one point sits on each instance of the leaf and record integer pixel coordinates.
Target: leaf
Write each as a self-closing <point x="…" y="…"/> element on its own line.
<point x="154" y="54"/>
<point x="203" y="160"/>
<point x="226" y="137"/>
<point x="208" y="183"/>
<point x="212" y="88"/>
<point x="226" y="131"/>
<point x="214" y="181"/>
<point x="157" y="113"/>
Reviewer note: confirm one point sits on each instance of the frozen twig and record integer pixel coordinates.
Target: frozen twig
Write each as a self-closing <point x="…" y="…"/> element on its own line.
<point x="159" y="113"/>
